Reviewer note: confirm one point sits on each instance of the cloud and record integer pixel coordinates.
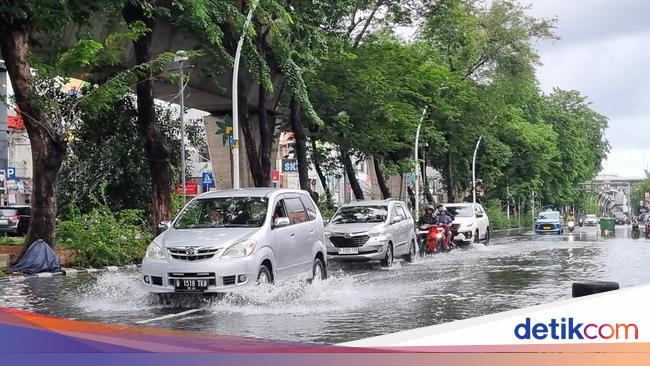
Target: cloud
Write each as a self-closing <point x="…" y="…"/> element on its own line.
<point x="603" y="54"/>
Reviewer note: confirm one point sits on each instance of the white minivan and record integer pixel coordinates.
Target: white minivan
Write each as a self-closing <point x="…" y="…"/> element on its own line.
<point x="230" y="239"/>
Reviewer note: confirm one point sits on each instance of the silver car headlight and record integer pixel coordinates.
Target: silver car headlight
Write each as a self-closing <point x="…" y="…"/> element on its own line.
<point x="376" y="233"/>
<point x="240" y="250"/>
<point x="154" y="251"/>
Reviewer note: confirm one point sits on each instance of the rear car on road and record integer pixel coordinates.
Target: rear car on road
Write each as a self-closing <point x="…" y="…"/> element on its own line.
<point x="15" y="219"/>
<point x="549" y="222"/>
<point x="591" y="220"/>
<point x="471" y="223"/>
<point x="230" y="239"/>
<point x="371" y="230"/>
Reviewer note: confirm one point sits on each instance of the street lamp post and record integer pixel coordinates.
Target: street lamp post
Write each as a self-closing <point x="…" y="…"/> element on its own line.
<point x="417" y="164"/>
<point x="235" y="102"/>
<point x="180" y="58"/>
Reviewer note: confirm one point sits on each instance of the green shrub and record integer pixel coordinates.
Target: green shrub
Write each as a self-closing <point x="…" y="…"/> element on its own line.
<point x="102" y="237"/>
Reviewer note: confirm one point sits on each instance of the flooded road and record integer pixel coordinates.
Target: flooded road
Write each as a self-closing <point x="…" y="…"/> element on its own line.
<point x="358" y="301"/>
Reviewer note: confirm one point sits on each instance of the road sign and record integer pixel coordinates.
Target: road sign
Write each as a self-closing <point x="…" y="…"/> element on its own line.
<point x="207" y="180"/>
<point x="11" y="173"/>
<point x="191" y="188"/>
<point x="289" y="165"/>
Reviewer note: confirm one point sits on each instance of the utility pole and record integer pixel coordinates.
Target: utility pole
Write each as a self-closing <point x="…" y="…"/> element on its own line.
<point x="180" y="58"/>
<point x="235" y="101"/>
<point x="474" y="169"/>
<point x="4" y="116"/>
<point x="533" y="201"/>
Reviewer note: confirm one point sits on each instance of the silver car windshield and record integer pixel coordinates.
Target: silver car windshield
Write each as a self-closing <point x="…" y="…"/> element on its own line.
<point x="361" y="214"/>
<point x="222" y="212"/>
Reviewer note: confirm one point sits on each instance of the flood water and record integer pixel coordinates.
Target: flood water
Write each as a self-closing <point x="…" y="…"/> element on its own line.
<point x="358" y="301"/>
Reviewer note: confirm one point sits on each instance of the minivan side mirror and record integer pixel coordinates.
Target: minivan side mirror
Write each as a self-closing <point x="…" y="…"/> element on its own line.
<point x="479" y="214"/>
<point x="164" y="225"/>
<point x="396" y="219"/>
<point x="281" y="222"/>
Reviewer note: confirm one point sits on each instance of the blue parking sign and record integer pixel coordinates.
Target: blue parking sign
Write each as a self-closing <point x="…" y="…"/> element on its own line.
<point x="11" y="173"/>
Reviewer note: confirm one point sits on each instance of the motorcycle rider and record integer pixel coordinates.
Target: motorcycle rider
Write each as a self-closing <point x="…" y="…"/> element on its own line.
<point x="445" y="218"/>
<point x="427" y="218"/>
<point x="571" y="217"/>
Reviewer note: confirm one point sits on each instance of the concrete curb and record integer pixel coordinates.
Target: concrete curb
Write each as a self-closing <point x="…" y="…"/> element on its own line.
<point x="69" y="272"/>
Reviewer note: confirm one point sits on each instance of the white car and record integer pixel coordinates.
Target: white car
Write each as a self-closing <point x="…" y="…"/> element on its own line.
<point x="471" y="223"/>
<point x="371" y="230"/>
<point x="591" y="220"/>
<point x="230" y="239"/>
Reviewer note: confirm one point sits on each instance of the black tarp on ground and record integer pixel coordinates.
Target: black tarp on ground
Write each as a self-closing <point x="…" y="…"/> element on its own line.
<point x="38" y="258"/>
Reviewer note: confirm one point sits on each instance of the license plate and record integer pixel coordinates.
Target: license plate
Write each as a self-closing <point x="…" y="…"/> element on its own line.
<point x="348" y="250"/>
<point x="190" y="285"/>
<point x="547" y="227"/>
<point x="4" y="222"/>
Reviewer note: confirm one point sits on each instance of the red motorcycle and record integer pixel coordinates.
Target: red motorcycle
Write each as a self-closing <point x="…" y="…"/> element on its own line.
<point x="437" y="239"/>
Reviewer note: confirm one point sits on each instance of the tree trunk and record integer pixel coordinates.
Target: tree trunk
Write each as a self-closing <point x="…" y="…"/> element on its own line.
<point x="249" y="139"/>
<point x="321" y="175"/>
<point x="352" y="178"/>
<point x="156" y="150"/>
<point x="301" y="144"/>
<point x="266" y="126"/>
<point x="48" y="151"/>
<point x="449" y="172"/>
<point x="381" y="180"/>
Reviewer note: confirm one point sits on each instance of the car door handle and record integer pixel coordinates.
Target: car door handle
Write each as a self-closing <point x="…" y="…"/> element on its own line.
<point x="293" y="235"/>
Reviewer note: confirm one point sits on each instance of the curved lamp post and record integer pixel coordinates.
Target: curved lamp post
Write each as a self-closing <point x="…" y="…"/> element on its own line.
<point x="235" y="102"/>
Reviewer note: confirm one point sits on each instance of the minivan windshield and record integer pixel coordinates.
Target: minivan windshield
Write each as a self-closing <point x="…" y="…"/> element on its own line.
<point x="222" y="212"/>
<point x="460" y="211"/>
<point x="361" y="214"/>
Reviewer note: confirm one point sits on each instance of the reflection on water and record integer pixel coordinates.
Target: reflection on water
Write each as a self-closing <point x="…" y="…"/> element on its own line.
<point x="360" y="300"/>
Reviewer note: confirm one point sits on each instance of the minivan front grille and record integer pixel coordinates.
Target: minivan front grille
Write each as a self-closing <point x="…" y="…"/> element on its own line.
<point x="191" y="254"/>
<point x="349" y="242"/>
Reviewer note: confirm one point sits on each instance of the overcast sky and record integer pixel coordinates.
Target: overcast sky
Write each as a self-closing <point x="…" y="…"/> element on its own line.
<point x="603" y="52"/>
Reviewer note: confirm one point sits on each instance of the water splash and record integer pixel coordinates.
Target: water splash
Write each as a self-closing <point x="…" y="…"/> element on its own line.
<point x="114" y="292"/>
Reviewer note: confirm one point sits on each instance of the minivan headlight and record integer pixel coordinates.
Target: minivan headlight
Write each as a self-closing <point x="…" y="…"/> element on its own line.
<point x="154" y="251"/>
<point x="239" y="250"/>
<point x="376" y="233"/>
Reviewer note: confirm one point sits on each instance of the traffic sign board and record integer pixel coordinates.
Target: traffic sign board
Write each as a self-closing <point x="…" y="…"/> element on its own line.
<point x="11" y="173"/>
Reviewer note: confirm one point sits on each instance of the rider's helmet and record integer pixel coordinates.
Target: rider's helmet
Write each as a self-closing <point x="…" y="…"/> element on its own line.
<point x="442" y="209"/>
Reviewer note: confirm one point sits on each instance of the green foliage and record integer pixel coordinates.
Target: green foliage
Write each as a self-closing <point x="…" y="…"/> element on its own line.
<point x="104" y="237"/>
<point x="638" y="192"/>
<point x="106" y="155"/>
<point x="11" y="240"/>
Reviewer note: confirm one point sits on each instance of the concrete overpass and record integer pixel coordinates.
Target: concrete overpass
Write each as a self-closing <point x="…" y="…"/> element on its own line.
<point x="613" y="192"/>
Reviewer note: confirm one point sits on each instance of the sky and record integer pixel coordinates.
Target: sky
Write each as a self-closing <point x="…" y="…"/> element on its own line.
<point x="603" y="53"/>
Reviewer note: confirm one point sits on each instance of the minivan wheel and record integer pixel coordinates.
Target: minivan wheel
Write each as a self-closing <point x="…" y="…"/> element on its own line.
<point x="487" y="237"/>
<point x="318" y="271"/>
<point x="388" y="259"/>
<point x="264" y="276"/>
<point x="476" y="238"/>
<point x="409" y="258"/>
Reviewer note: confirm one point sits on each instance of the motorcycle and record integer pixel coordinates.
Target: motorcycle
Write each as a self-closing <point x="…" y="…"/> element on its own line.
<point x="581" y="222"/>
<point x="636" y="232"/>
<point x="422" y="234"/>
<point x="437" y="240"/>
<point x="571" y="225"/>
<point x="647" y="230"/>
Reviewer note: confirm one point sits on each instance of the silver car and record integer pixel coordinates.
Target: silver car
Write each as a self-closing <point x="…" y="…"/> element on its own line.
<point x="371" y="230"/>
<point x="231" y="239"/>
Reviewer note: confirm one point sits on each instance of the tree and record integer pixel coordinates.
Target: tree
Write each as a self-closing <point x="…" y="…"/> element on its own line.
<point x="49" y="113"/>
